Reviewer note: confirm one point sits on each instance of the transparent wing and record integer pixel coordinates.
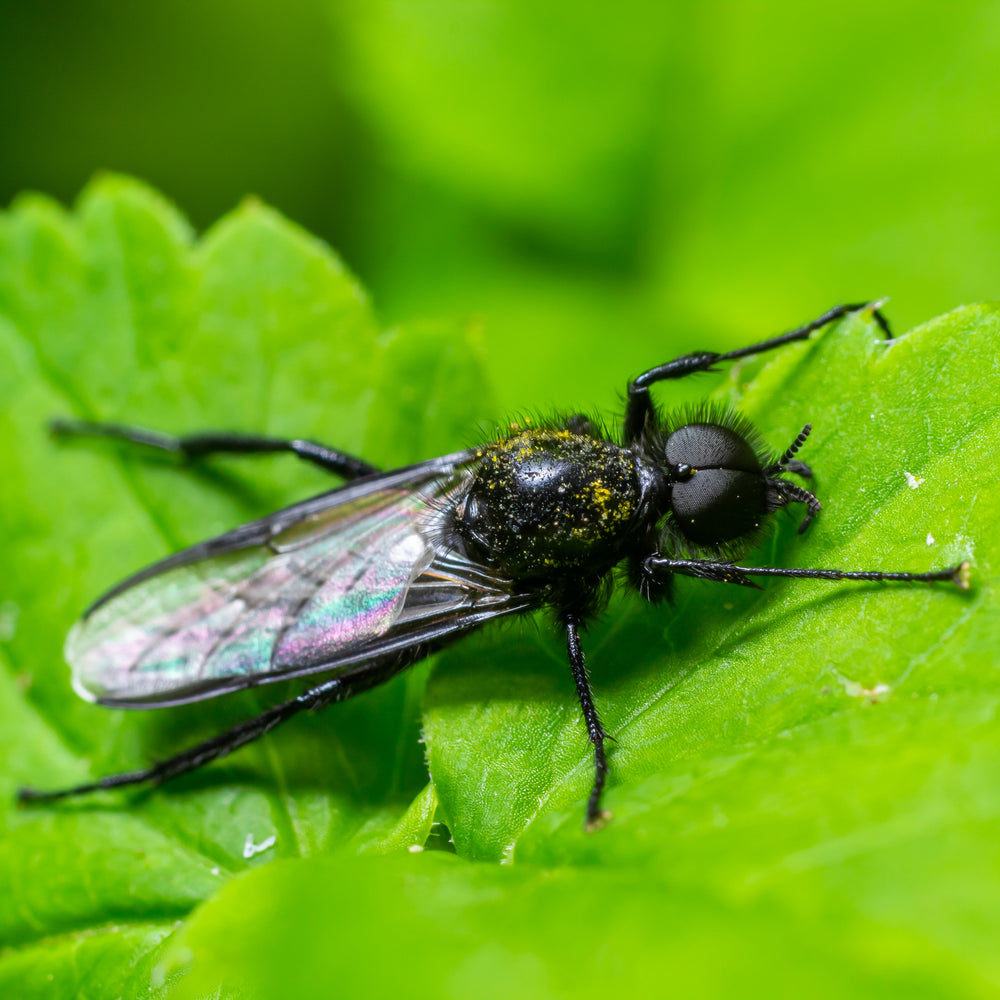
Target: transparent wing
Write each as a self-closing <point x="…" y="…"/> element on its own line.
<point x="356" y="576"/>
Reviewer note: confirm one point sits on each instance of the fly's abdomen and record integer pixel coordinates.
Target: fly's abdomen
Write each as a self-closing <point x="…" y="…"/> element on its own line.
<point x="546" y="503"/>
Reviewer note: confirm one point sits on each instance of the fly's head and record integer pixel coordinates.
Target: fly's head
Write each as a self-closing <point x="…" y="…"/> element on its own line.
<point x="723" y="486"/>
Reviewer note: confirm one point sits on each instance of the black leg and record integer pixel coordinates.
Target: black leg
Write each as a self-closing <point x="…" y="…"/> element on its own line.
<point x="596" y="816"/>
<point x="211" y="749"/>
<point x="639" y="405"/>
<point x="199" y="445"/>
<point x="725" y="572"/>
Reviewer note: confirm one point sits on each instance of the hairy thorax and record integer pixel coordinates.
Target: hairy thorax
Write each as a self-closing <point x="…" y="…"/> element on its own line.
<point x="545" y="503"/>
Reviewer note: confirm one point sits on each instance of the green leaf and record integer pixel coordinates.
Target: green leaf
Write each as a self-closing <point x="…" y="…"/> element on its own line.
<point x="776" y="828"/>
<point x="742" y="684"/>
<point x="117" y="313"/>
<point x="434" y="926"/>
<point x="751" y="762"/>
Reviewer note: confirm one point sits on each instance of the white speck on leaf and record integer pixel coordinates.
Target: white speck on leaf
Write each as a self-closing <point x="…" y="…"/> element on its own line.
<point x="911" y="480"/>
<point x="250" y="848"/>
<point x="874" y="694"/>
<point x="930" y="538"/>
<point x="415" y="848"/>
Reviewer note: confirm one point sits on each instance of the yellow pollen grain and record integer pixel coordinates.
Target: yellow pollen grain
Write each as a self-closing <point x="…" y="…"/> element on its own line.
<point x="601" y="493"/>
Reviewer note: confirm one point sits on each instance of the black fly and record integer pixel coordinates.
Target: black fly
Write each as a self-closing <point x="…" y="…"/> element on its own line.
<point x="367" y="579"/>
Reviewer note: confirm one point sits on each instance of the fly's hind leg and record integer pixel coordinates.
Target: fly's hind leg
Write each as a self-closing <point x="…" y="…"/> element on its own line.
<point x="192" y="446"/>
<point x="221" y="745"/>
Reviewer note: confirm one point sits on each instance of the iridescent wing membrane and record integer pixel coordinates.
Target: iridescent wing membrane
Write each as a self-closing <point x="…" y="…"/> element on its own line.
<point x="353" y="580"/>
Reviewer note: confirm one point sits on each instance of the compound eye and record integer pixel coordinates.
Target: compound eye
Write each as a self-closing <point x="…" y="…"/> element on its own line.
<point x="711" y="446"/>
<point x="716" y="506"/>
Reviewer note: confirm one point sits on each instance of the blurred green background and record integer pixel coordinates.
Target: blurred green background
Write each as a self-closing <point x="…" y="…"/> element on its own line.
<point x="673" y="175"/>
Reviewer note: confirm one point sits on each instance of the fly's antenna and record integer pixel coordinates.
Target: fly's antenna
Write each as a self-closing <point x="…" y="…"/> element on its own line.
<point x="785" y="461"/>
<point x="791" y="493"/>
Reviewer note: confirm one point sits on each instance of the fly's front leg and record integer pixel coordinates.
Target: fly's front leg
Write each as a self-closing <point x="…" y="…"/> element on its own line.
<point x="191" y="446"/>
<point x="639" y="407"/>
<point x="596" y="817"/>
<point x="659" y="567"/>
